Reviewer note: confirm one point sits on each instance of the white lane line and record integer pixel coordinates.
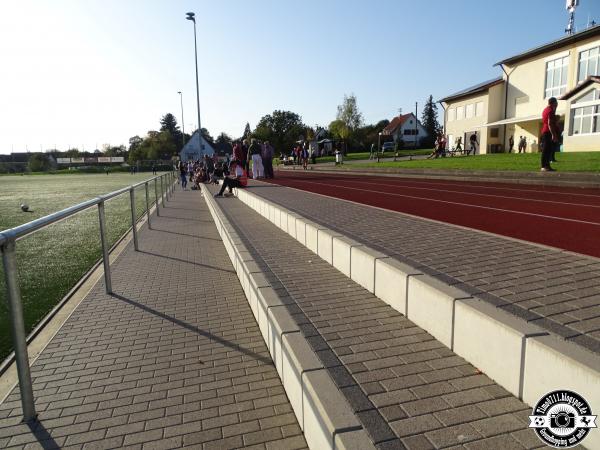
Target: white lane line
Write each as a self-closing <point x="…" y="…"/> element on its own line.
<point x="408" y="186"/>
<point x="564" y="219"/>
<point x="478" y="185"/>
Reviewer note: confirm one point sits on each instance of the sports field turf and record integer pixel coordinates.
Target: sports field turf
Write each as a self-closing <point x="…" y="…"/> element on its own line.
<point x="52" y="260"/>
<point x="567" y="162"/>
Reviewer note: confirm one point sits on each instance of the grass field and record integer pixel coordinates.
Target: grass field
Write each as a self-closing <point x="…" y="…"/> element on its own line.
<point x="567" y="162"/>
<point x="52" y="260"/>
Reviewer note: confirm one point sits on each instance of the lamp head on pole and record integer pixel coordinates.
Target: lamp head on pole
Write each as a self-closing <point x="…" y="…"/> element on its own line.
<point x="179" y="92"/>
<point x="190" y="16"/>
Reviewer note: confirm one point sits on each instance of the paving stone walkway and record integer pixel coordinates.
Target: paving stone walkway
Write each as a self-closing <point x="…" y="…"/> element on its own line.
<point x="557" y="290"/>
<point x="407" y="389"/>
<point x="174" y="359"/>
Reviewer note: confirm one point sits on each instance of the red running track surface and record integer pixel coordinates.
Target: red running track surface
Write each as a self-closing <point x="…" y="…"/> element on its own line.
<point x="567" y="218"/>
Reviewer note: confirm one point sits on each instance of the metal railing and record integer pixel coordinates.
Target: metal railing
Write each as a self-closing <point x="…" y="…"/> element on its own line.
<point x="8" y="243"/>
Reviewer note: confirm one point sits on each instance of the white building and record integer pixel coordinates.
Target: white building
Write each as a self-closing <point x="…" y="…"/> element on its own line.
<point x="194" y="149"/>
<point x="406" y="128"/>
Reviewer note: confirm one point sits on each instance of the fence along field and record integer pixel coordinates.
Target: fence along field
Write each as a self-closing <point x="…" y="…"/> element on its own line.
<point x="52" y="260"/>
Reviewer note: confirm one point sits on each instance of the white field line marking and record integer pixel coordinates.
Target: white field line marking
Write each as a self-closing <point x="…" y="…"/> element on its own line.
<point x="463" y="204"/>
<point x="477" y="185"/>
<point x="474" y="193"/>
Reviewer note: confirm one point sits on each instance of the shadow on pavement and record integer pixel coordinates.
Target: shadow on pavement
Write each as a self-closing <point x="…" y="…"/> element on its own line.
<point x="187" y="326"/>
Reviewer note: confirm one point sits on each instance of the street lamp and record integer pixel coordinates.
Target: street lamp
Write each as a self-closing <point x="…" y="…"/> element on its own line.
<point x="378" y="145"/>
<point x="182" y="123"/>
<point x="191" y="16"/>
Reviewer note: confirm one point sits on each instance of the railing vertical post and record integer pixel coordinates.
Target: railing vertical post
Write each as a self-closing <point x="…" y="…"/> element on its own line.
<point x="148" y="206"/>
<point x="162" y="192"/>
<point x="133" y="219"/>
<point x="104" y="241"/>
<point x="167" y="192"/>
<point x="17" y="326"/>
<point x="156" y="196"/>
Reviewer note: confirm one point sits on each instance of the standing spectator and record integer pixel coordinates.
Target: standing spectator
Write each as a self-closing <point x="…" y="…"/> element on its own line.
<point x="304" y="156"/>
<point x="522" y="144"/>
<point x="511" y="143"/>
<point x="372" y="154"/>
<point x="183" y="175"/>
<point x="245" y="160"/>
<point x="267" y="159"/>
<point x="237" y="151"/>
<point x="153" y="169"/>
<point x="254" y="153"/>
<point x="550" y="134"/>
<point x="473" y="143"/>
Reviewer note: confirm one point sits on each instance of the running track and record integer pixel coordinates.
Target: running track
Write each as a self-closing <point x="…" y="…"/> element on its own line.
<point x="567" y="218"/>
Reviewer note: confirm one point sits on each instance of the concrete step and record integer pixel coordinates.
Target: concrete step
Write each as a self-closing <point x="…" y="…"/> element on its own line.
<point x="515" y="354"/>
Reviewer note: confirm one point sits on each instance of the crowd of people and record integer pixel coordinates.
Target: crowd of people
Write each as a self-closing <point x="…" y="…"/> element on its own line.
<point x="233" y="172"/>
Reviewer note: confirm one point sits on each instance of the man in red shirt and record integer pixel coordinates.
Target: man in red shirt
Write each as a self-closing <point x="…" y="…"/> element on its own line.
<point x="550" y="134"/>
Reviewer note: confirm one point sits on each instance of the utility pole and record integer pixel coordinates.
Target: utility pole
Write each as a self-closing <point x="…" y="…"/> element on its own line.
<point x="416" y="122"/>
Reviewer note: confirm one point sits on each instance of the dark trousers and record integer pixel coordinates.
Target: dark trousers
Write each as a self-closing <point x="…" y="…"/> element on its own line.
<point x="229" y="183"/>
<point x="268" y="166"/>
<point x="547" y="149"/>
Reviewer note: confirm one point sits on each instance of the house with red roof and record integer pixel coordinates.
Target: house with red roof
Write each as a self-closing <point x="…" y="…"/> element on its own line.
<point x="406" y="128"/>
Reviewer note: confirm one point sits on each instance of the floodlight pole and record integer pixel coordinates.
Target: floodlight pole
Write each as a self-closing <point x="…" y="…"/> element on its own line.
<point x="182" y="124"/>
<point x="191" y="16"/>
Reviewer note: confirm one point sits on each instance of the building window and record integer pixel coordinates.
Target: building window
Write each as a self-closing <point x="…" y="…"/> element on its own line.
<point x="585" y="114"/>
<point x="451" y="115"/>
<point x="556" y="77"/>
<point x="494" y="132"/>
<point x="410" y="132"/>
<point x="460" y="113"/>
<point x="479" y="109"/>
<point x="589" y="63"/>
<point x="469" y="110"/>
<point x="585" y="120"/>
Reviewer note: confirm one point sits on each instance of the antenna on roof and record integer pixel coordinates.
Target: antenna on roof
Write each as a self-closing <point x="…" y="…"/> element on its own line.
<point x="571" y="7"/>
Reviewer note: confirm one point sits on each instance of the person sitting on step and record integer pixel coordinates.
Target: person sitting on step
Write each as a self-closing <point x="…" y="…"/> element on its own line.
<point x="237" y="178"/>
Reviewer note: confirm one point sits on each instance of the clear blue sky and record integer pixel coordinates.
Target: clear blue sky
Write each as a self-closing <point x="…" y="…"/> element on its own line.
<point x="83" y="73"/>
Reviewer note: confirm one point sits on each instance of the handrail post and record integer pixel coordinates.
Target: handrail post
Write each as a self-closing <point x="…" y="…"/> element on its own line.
<point x="104" y="241"/>
<point x="162" y="192"/>
<point x="167" y="192"/>
<point x="133" y="219"/>
<point x="148" y="206"/>
<point x="17" y="327"/>
<point x="156" y="196"/>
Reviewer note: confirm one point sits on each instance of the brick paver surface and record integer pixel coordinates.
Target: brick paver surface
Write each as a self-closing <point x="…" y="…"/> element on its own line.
<point x="174" y="359"/>
<point x="407" y="389"/>
<point x="557" y="290"/>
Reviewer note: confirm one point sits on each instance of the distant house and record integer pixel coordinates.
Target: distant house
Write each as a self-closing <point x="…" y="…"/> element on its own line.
<point x="195" y="149"/>
<point x="406" y="128"/>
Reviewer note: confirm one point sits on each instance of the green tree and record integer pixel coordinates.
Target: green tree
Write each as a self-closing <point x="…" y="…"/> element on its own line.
<point x="112" y="150"/>
<point x="351" y="118"/>
<point x="281" y="128"/>
<point x="169" y="123"/>
<point x="247" y="131"/>
<point x="349" y="114"/>
<point x="223" y="138"/>
<point x="339" y="130"/>
<point x="72" y="153"/>
<point x="134" y="143"/>
<point x="38" y="162"/>
<point x="429" y="120"/>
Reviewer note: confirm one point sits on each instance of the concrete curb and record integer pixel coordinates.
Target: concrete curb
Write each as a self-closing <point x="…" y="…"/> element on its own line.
<point x="323" y="413"/>
<point x="522" y="358"/>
